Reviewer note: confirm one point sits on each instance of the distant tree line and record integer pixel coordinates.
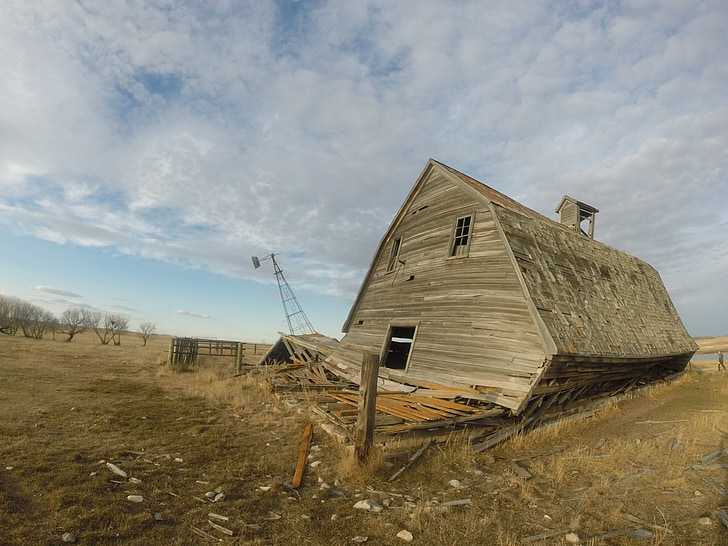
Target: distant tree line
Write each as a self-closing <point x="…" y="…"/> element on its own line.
<point x="32" y="321"/>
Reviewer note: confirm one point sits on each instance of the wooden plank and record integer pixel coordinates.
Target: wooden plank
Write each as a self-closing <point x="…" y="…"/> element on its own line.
<point x="417" y="454"/>
<point x="303" y="449"/>
<point x="367" y="407"/>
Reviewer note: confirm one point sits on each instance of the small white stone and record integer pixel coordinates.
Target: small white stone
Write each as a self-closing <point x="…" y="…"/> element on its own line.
<point x="547" y="517"/>
<point x="369" y="505"/>
<point x="572" y="538"/>
<point x="92" y="474"/>
<point x="9" y="467"/>
<point x="219" y="497"/>
<point x="314" y="464"/>
<point x="68" y="537"/>
<point x="265" y="488"/>
<point x="405" y="535"/>
<point x="116" y="470"/>
<point x="698" y="493"/>
<point x="135" y="480"/>
<point x="334" y="517"/>
<point x="705" y="521"/>
<point x="454" y="483"/>
<point x="210" y="495"/>
<point x="135" y="498"/>
<point x="360" y="540"/>
<point x="178" y="460"/>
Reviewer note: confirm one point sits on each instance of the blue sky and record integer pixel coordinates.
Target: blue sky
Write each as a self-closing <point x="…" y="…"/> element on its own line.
<point x="148" y="149"/>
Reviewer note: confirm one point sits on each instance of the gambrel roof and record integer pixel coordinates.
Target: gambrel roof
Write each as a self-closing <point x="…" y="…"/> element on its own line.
<point x="586" y="298"/>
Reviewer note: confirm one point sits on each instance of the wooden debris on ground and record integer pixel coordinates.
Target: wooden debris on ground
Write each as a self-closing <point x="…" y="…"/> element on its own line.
<point x="220" y="528"/>
<point x="412" y="460"/>
<point x="303" y="449"/>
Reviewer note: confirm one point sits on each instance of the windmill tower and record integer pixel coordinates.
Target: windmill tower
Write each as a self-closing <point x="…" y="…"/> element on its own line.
<point x="297" y="320"/>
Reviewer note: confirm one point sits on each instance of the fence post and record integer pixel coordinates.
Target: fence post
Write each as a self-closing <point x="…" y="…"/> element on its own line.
<point x="238" y="357"/>
<point x="364" y="435"/>
<point x="170" y="356"/>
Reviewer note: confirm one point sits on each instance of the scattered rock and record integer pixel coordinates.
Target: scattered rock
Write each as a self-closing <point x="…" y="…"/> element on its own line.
<point x="572" y="538"/>
<point x="68" y="537"/>
<point x="674" y="444"/>
<point x="455" y="483"/>
<point x="706" y="521"/>
<point x="360" y="540"/>
<point x="641" y="534"/>
<point x="264" y="488"/>
<point x="453" y="503"/>
<point x="219" y="497"/>
<point x="92" y="474"/>
<point x="157" y="516"/>
<point x="315" y="464"/>
<point x="698" y="493"/>
<point x="135" y="480"/>
<point x="135" y="498"/>
<point x="9" y="467"/>
<point x="116" y="470"/>
<point x="178" y="460"/>
<point x="405" y="535"/>
<point x="210" y="495"/>
<point x="369" y="505"/>
<point x="547" y="517"/>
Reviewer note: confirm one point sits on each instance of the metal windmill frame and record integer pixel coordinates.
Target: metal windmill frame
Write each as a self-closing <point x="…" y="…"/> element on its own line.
<point x="298" y="322"/>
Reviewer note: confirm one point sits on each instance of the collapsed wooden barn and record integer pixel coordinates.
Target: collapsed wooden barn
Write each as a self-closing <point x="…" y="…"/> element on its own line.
<point x="473" y="296"/>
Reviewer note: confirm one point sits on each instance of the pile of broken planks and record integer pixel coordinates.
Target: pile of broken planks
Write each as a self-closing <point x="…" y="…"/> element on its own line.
<point x="423" y="410"/>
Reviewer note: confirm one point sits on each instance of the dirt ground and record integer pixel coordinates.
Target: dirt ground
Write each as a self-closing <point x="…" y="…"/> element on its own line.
<point x="66" y="407"/>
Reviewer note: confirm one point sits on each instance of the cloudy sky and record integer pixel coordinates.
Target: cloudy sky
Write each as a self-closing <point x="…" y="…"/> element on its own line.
<point x="147" y="149"/>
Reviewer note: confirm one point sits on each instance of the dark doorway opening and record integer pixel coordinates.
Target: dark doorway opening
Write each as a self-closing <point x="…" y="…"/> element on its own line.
<point x="399" y="346"/>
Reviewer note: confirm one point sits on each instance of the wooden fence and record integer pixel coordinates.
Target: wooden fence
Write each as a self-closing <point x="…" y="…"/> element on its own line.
<point x="184" y="351"/>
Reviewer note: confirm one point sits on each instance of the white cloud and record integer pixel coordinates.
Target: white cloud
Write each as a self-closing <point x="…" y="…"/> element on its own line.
<point x="193" y="314"/>
<point x="56" y="291"/>
<point x="201" y="135"/>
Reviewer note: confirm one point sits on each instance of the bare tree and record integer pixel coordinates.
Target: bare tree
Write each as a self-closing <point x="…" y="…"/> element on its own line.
<point x="118" y="325"/>
<point x="147" y="329"/>
<point x="8" y="315"/>
<point x="24" y="314"/>
<point x="40" y="323"/>
<point x="76" y="321"/>
<point x="101" y="325"/>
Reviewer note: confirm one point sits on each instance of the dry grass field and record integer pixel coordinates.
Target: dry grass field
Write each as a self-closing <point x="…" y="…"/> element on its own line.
<point x="66" y="407"/>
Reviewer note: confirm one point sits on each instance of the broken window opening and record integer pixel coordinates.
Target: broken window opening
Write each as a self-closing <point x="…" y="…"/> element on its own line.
<point x="394" y="254"/>
<point x="461" y="236"/>
<point x="399" y="346"/>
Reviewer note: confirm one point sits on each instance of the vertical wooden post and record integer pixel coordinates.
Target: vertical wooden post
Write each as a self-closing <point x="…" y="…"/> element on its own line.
<point x="367" y="406"/>
<point x="170" y="356"/>
<point x="239" y="358"/>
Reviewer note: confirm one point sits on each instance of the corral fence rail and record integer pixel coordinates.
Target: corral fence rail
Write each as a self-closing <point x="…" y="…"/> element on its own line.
<point x="184" y="351"/>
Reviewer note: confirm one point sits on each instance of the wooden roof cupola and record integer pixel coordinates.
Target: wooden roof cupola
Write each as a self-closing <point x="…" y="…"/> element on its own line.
<point x="573" y="212"/>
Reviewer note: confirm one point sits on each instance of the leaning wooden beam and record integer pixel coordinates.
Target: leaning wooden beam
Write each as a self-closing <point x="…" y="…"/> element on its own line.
<point x="303" y="449"/>
<point x="412" y="460"/>
<point x="367" y="407"/>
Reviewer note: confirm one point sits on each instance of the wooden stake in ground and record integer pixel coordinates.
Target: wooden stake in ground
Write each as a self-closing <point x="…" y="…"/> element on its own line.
<point x="303" y="448"/>
<point x="238" y="357"/>
<point x="364" y="435"/>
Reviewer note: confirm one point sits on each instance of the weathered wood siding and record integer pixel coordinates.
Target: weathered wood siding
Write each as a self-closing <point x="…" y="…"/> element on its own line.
<point x="474" y="326"/>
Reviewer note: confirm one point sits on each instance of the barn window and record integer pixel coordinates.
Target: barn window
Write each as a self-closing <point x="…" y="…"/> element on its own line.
<point x="461" y="236"/>
<point x="398" y="347"/>
<point x="394" y="254"/>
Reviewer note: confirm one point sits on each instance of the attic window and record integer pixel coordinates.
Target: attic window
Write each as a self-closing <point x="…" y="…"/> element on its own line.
<point x="461" y="236"/>
<point x="394" y="254"/>
<point x="398" y="347"/>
